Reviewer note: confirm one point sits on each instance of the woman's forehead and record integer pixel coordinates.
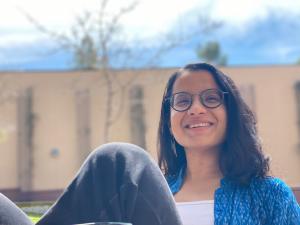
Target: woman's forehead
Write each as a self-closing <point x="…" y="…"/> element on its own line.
<point x="194" y="81"/>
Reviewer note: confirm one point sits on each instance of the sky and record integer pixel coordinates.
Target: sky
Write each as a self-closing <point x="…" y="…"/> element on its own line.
<point x="253" y="32"/>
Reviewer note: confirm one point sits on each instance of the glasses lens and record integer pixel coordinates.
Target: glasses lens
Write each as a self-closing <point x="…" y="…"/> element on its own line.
<point x="181" y="101"/>
<point x="211" y="98"/>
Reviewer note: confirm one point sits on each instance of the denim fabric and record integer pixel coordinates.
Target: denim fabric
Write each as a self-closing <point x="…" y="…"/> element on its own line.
<point x="118" y="182"/>
<point x="10" y="214"/>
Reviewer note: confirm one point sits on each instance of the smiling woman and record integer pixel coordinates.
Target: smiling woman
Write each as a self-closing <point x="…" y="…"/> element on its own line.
<point x="211" y="156"/>
<point x="203" y="121"/>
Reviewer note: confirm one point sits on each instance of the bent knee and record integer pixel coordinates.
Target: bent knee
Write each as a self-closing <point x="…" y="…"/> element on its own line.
<point x="119" y="149"/>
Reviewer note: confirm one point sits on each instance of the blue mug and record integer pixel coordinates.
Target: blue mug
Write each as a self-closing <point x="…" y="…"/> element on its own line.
<point x="104" y="223"/>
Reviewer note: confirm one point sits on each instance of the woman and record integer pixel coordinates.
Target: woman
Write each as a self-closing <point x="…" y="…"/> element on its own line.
<point x="211" y="156"/>
<point x="209" y="153"/>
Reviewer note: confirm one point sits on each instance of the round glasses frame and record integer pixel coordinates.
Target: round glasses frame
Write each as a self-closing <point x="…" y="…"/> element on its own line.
<point x="201" y="95"/>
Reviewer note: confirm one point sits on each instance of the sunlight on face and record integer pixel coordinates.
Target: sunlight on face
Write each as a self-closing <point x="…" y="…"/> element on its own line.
<point x="199" y="127"/>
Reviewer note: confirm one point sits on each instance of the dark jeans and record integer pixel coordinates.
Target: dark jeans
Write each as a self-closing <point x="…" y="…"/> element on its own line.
<point x="117" y="182"/>
<point x="10" y="214"/>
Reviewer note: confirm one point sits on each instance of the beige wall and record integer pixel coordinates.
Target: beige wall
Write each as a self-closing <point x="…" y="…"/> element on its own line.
<point x="277" y="116"/>
<point x="8" y="146"/>
<point x="54" y="108"/>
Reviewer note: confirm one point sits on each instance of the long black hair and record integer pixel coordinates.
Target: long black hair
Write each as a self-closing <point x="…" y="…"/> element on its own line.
<point x="241" y="157"/>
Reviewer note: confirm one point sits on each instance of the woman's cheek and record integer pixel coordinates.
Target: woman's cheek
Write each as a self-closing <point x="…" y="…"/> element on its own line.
<point x="176" y="120"/>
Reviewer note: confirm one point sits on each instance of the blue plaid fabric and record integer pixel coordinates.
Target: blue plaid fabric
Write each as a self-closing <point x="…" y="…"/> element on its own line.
<point x="264" y="201"/>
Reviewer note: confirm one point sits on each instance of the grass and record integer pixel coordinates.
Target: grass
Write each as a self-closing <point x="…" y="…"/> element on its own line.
<point x="34" y="218"/>
<point x="34" y="210"/>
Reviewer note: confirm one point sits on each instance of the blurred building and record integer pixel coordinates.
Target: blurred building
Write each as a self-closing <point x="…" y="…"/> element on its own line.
<point x="50" y="121"/>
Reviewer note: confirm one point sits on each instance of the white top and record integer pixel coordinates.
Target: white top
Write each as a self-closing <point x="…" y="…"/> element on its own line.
<point x="197" y="212"/>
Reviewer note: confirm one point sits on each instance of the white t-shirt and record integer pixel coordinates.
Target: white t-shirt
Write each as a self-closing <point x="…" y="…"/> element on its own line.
<point x="197" y="212"/>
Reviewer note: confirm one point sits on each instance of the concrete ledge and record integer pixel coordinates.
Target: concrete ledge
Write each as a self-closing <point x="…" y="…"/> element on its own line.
<point x="17" y="195"/>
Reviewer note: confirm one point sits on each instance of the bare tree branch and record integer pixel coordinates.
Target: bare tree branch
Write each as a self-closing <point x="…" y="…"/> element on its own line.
<point x="96" y="41"/>
<point x="62" y="39"/>
<point x="115" y="21"/>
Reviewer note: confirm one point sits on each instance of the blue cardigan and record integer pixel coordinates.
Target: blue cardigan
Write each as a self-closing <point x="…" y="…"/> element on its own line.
<point x="264" y="201"/>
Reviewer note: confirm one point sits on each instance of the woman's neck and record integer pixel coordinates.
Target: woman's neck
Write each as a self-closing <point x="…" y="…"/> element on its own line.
<point x="202" y="176"/>
<point x="202" y="165"/>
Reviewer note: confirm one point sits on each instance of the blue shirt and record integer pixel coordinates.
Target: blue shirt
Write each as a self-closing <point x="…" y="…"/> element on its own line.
<point x="263" y="201"/>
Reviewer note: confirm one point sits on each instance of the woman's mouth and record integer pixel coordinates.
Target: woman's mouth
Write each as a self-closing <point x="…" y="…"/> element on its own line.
<point x="198" y="125"/>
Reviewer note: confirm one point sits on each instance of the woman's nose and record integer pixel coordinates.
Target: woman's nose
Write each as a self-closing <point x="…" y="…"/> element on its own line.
<point x="197" y="107"/>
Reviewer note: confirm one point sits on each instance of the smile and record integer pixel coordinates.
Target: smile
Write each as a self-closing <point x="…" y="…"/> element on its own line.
<point x="199" y="125"/>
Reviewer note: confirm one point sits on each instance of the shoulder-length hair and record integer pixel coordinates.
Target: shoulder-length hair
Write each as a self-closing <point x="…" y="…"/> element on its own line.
<point x="241" y="157"/>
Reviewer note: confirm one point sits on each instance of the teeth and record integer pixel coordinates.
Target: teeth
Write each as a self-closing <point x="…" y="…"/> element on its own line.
<point x="199" y="125"/>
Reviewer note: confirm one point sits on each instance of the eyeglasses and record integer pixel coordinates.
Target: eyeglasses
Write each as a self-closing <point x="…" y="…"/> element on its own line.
<point x="210" y="98"/>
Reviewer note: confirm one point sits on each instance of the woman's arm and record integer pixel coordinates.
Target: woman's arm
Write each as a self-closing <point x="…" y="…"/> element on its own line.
<point x="282" y="203"/>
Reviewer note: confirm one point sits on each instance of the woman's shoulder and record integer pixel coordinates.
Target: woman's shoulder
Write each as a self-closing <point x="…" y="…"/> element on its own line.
<point x="269" y="181"/>
<point x="274" y="190"/>
<point x="278" y="199"/>
<point x="271" y="187"/>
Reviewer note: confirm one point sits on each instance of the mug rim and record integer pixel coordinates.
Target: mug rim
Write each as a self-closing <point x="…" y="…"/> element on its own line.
<point x="103" y="223"/>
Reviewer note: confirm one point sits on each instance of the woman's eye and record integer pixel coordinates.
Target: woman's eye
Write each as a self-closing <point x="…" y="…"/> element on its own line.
<point x="212" y="99"/>
<point x="182" y="102"/>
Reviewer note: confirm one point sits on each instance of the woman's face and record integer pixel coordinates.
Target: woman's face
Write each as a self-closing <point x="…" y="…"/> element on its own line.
<point x="198" y="127"/>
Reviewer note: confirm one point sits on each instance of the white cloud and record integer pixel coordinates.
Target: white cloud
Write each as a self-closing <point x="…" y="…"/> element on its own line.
<point x="9" y="40"/>
<point x="149" y="13"/>
<point x="150" y="16"/>
<point x="239" y="13"/>
<point x="56" y="12"/>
